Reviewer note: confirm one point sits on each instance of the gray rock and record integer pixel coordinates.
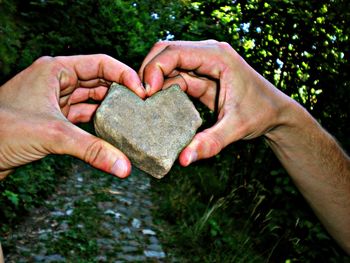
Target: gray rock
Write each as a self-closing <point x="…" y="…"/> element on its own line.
<point x="116" y="234"/>
<point x="154" y="254"/>
<point x="152" y="132"/>
<point x="128" y="249"/>
<point x="132" y="258"/>
<point x="101" y="258"/>
<point x="153" y="240"/>
<point x="126" y="230"/>
<point x="125" y="201"/>
<point x="64" y="226"/>
<point x="57" y="213"/>
<point x="111" y="212"/>
<point x="148" y="232"/>
<point x="105" y="205"/>
<point x="69" y="212"/>
<point x="153" y="247"/>
<point x="51" y="258"/>
<point x="130" y="243"/>
<point x="136" y="223"/>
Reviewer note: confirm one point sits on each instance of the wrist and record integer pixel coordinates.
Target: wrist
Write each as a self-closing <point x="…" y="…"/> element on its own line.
<point x="293" y="122"/>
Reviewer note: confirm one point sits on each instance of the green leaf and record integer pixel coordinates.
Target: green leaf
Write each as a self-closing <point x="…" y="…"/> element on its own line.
<point x="12" y="197"/>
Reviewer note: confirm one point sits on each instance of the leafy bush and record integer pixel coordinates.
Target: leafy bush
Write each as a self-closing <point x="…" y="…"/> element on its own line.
<point x="219" y="214"/>
<point x="28" y="187"/>
<point x="9" y="35"/>
<point x="240" y="205"/>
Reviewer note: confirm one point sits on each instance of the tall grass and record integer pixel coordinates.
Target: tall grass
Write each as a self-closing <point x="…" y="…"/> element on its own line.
<point x="216" y="211"/>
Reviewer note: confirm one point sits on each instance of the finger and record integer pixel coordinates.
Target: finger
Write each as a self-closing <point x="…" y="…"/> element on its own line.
<point x="204" y="60"/>
<point x="176" y="80"/>
<point x="83" y="94"/>
<point x="81" y="112"/>
<point x="174" y="73"/>
<point x="93" y="150"/>
<point x="4" y="174"/>
<point x="198" y="87"/>
<point x="94" y="83"/>
<point x="161" y="45"/>
<point x="157" y="48"/>
<point x="210" y="141"/>
<point x="90" y="67"/>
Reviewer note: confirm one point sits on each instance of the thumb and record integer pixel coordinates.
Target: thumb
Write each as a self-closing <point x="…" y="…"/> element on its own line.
<point x="95" y="151"/>
<point x="209" y="142"/>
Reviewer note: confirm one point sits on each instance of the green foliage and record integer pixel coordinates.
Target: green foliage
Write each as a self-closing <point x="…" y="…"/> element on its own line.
<point x="76" y="242"/>
<point x="245" y="219"/>
<point x="28" y="187"/>
<point x="9" y="35"/>
<point x="11" y="196"/>
<point x="87" y="223"/>
<point x="240" y="206"/>
<point x="123" y="29"/>
<point x="301" y="47"/>
<point x="310" y="38"/>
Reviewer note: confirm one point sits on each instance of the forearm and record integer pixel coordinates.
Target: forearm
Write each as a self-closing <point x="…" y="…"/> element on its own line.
<point x="250" y="106"/>
<point x="318" y="166"/>
<point x="1" y="255"/>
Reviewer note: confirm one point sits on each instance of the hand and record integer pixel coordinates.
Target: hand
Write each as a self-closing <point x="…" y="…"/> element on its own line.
<point x="39" y="106"/>
<point x="249" y="106"/>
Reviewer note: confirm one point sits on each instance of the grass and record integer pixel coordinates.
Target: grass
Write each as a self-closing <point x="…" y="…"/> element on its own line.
<point x="218" y="210"/>
<point x="224" y="210"/>
<point x="197" y="228"/>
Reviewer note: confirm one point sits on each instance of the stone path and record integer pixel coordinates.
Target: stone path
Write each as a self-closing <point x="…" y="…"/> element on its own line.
<point x="92" y="217"/>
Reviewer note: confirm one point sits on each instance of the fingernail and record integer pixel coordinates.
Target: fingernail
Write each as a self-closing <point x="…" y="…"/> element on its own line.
<point x="192" y="157"/>
<point x="120" y="168"/>
<point x="148" y="88"/>
<point x="142" y="90"/>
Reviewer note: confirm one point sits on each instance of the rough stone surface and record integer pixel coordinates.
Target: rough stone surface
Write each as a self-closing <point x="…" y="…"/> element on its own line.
<point x="150" y="132"/>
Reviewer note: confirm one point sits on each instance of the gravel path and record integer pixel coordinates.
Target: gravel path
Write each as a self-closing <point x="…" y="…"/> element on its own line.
<point x="92" y="217"/>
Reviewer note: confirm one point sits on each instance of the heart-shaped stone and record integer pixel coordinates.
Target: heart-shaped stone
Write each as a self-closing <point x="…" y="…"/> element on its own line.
<point x="150" y="132"/>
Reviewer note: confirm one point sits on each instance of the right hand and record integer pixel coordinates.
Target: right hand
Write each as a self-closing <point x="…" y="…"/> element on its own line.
<point x="249" y="105"/>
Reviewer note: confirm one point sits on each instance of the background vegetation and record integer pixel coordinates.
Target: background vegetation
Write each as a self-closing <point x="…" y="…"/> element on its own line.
<point x="241" y="205"/>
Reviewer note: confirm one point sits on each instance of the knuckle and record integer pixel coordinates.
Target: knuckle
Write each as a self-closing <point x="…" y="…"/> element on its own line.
<point x="225" y="46"/>
<point x="93" y="152"/>
<point x="74" y="116"/>
<point x="53" y="64"/>
<point x="103" y="82"/>
<point x="216" y="144"/>
<point x="160" y="44"/>
<point x="151" y="66"/>
<point x="212" y="143"/>
<point x="43" y="60"/>
<point x="103" y="57"/>
<point x="93" y="93"/>
<point x="171" y="47"/>
<point x="211" y="41"/>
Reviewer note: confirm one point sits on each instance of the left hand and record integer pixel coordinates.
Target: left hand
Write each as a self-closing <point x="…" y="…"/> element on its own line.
<point x="39" y="106"/>
<point x="248" y="105"/>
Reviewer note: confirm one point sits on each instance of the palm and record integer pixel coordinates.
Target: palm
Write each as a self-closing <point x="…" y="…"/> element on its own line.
<point x="40" y="105"/>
